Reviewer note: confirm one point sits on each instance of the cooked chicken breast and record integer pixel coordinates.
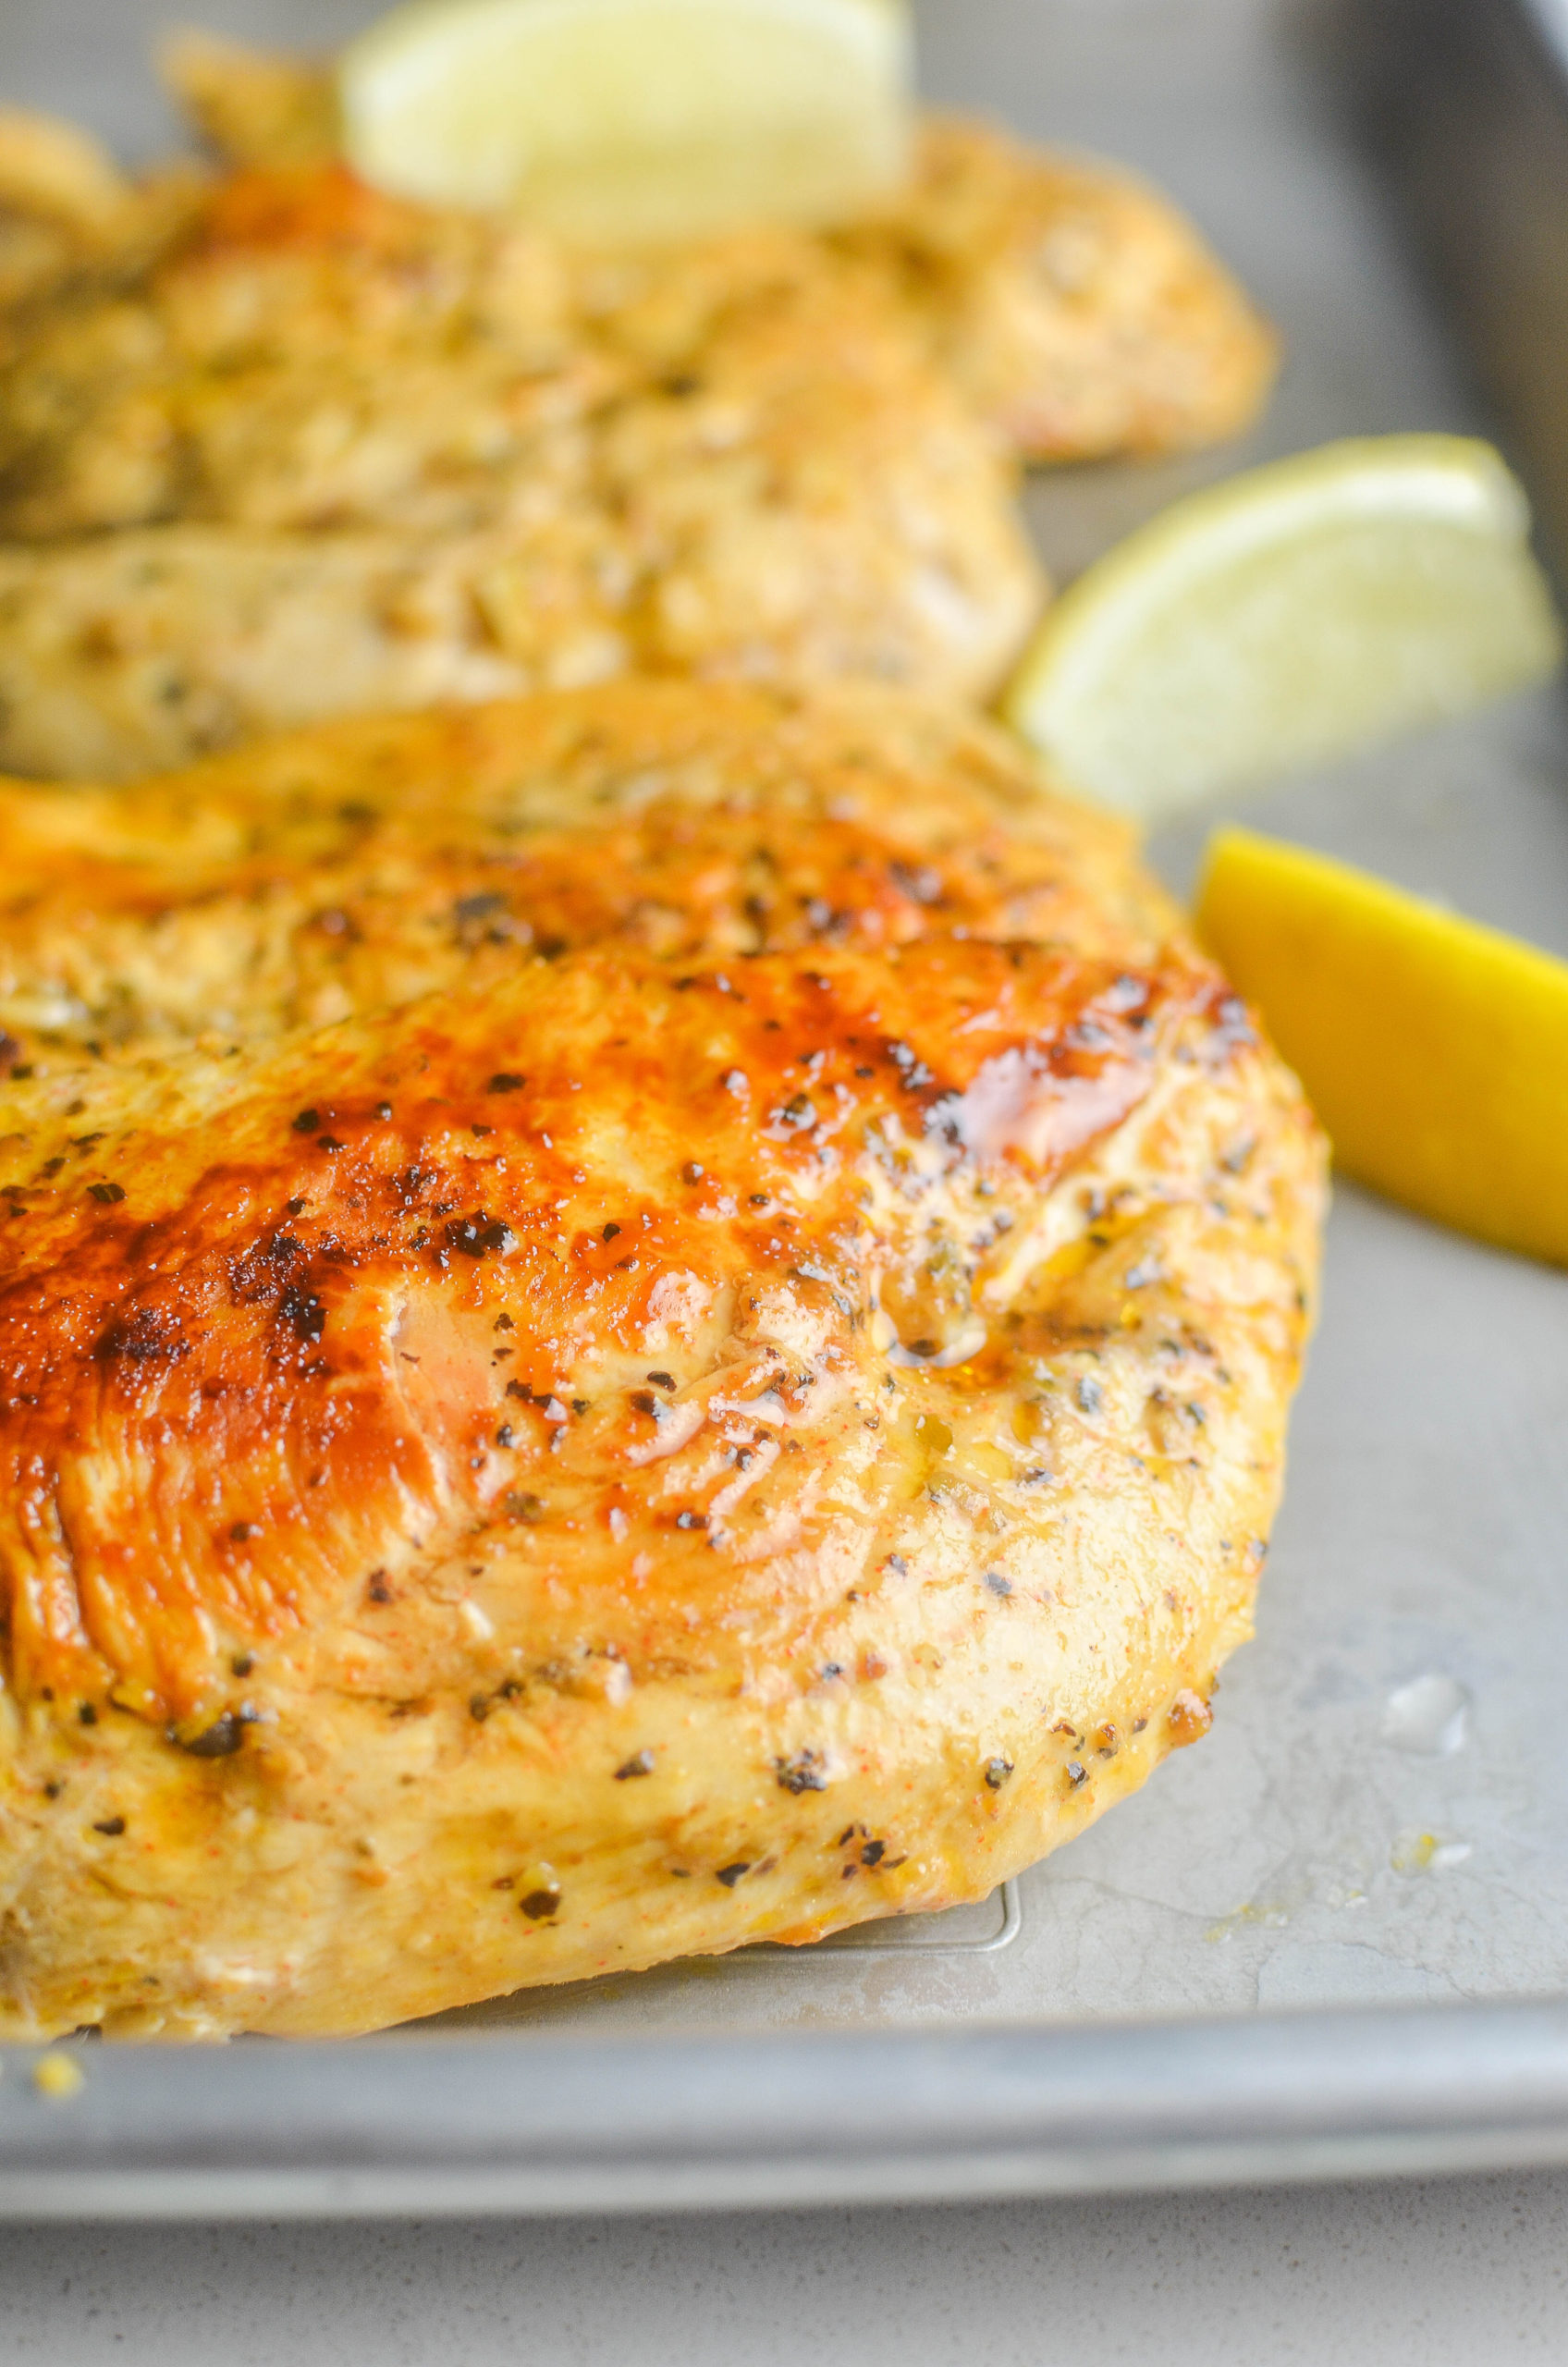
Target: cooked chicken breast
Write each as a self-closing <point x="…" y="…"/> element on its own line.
<point x="411" y="456"/>
<point x="286" y="447"/>
<point x="69" y="216"/>
<point x="1069" y="302"/>
<point x="1073" y="303"/>
<point x="361" y="454"/>
<point x="635" y="1321"/>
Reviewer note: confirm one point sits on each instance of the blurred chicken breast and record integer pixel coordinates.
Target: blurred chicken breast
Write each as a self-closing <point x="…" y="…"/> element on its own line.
<point x="631" y="1322"/>
<point x="286" y="447"/>
<point x="1072" y="303"/>
<point x="1069" y="304"/>
<point x="361" y="454"/>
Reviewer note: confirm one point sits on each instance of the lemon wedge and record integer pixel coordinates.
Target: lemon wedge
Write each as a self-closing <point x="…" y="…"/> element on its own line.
<point x="618" y="120"/>
<point x="1287" y="617"/>
<point x="1434" y="1051"/>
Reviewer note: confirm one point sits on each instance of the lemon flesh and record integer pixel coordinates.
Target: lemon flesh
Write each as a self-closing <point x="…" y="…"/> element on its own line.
<point x="1434" y="1051"/>
<point x="618" y="120"/>
<point x="1288" y="617"/>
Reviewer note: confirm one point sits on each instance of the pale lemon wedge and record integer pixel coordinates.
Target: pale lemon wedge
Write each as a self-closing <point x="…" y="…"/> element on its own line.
<point x="620" y="120"/>
<point x="1434" y="1051"/>
<point x="1287" y="617"/>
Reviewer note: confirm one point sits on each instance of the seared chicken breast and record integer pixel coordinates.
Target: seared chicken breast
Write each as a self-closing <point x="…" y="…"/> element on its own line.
<point x="632" y="1321"/>
<point x="286" y="447"/>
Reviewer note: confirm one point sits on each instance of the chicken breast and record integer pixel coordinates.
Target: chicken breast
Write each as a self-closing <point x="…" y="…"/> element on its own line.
<point x="285" y="448"/>
<point x="631" y="1322"/>
<point x="68" y="217"/>
<point x="358" y="453"/>
<point x="362" y="454"/>
<point x="1073" y="304"/>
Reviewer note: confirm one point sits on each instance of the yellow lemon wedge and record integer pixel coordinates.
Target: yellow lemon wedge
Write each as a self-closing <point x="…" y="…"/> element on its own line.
<point x="618" y="120"/>
<point x="1287" y="617"/>
<point x="1435" y="1050"/>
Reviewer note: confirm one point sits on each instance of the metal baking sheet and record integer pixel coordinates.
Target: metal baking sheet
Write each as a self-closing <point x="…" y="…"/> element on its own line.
<point x="1336" y="1937"/>
<point x="1469" y="103"/>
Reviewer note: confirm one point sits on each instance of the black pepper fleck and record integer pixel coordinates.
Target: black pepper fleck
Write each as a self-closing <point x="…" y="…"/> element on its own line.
<point x="803" y="1771"/>
<point x="220" y="1740"/>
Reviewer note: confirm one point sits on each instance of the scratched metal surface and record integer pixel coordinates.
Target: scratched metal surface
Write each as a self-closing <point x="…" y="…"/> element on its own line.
<point x="1382" y="1814"/>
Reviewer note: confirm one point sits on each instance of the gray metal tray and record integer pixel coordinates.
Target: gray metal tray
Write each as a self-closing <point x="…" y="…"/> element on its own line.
<point x="1336" y="1937"/>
